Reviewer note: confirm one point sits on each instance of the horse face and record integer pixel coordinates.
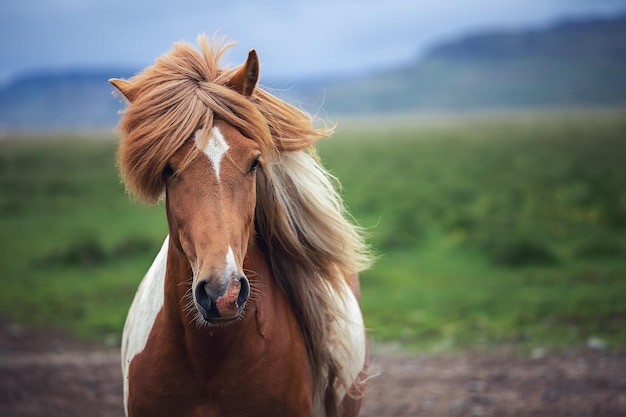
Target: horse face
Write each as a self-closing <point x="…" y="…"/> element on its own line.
<point x="210" y="210"/>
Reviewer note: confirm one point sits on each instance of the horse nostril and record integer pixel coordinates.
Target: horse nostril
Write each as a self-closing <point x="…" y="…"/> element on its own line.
<point x="244" y="292"/>
<point x="205" y="300"/>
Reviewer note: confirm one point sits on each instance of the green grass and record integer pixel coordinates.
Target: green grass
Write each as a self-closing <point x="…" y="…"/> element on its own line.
<point x="491" y="230"/>
<point x="73" y="246"/>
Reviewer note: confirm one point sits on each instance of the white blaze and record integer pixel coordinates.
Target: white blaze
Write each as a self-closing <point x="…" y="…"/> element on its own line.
<point x="215" y="148"/>
<point x="231" y="264"/>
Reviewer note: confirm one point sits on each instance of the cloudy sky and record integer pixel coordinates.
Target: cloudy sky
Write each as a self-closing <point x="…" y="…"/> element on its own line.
<point x="294" y="38"/>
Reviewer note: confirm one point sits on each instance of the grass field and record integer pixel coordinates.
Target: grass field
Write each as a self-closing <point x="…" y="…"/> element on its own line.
<point x="491" y="230"/>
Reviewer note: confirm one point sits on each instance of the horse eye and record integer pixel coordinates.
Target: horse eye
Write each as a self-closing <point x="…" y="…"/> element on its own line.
<point x="168" y="171"/>
<point x="255" y="164"/>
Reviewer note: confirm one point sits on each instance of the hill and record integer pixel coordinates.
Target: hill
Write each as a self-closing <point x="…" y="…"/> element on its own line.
<point x="572" y="63"/>
<point x="76" y="100"/>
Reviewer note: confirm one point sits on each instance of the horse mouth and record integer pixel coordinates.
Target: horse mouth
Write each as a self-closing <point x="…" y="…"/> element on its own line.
<point x="217" y="321"/>
<point x="214" y="317"/>
<point x="220" y="321"/>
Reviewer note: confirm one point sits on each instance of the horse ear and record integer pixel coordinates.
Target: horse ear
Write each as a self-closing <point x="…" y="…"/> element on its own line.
<point x="123" y="87"/>
<point x="244" y="81"/>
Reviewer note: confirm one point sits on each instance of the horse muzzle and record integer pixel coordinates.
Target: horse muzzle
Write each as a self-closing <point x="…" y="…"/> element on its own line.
<point x="222" y="305"/>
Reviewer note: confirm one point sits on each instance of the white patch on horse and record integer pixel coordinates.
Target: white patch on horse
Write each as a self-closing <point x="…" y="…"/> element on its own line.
<point x="215" y="148"/>
<point x="143" y="312"/>
<point x="231" y="264"/>
<point x="349" y="326"/>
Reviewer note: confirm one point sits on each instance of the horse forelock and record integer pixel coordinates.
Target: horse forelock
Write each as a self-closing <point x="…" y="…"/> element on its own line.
<point x="183" y="91"/>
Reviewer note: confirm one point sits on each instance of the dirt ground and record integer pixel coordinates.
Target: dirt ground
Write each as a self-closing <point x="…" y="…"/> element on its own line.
<point x="50" y="375"/>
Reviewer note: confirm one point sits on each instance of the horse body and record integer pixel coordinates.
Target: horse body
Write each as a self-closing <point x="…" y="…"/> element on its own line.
<point x="204" y="375"/>
<point x="189" y="371"/>
<point x="251" y="306"/>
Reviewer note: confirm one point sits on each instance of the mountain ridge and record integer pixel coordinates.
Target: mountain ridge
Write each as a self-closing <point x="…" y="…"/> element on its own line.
<point x="571" y="63"/>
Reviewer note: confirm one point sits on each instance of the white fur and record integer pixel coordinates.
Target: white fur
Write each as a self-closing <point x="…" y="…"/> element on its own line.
<point x="231" y="264"/>
<point x="216" y="147"/>
<point x="142" y="314"/>
<point x="348" y="327"/>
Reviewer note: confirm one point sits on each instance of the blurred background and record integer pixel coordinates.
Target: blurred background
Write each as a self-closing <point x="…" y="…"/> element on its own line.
<point x="481" y="144"/>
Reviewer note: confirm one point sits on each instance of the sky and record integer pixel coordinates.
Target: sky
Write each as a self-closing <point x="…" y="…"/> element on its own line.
<point x="294" y="39"/>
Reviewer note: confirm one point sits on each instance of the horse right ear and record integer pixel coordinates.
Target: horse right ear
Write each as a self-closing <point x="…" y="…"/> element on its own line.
<point x="123" y="87"/>
<point x="244" y="81"/>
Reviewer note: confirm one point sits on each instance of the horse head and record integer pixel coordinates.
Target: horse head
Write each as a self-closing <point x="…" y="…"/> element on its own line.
<point x="210" y="189"/>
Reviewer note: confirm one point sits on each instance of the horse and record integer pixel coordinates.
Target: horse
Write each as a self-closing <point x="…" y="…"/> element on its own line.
<point x="251" y="306"/>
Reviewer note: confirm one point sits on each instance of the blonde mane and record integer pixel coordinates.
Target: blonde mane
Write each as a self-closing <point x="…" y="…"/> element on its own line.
<point x="300" y="220"/>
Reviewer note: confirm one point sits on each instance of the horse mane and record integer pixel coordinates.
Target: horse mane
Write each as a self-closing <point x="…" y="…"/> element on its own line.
<point x="300" y="222"/>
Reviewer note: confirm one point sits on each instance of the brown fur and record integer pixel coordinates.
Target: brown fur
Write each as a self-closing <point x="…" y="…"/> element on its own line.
<point x="300" y="222"/>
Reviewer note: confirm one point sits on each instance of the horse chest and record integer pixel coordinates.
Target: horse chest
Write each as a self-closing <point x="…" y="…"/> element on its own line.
<point x="165" y="382"/>
<point x="174" y="371"/>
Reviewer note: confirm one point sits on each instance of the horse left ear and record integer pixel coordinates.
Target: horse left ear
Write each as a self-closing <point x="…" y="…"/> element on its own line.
<point x="244" y="81"/>
<point x="123" y="87"/>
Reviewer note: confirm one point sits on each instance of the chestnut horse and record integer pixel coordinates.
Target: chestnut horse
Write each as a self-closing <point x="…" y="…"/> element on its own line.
<point x="251" y="306"/>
